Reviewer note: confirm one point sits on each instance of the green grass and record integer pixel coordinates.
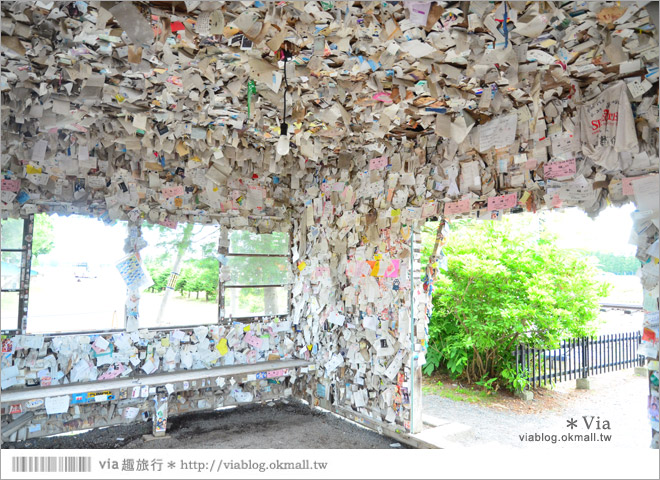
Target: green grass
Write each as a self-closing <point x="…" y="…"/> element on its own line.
<point x="459" y="394"/>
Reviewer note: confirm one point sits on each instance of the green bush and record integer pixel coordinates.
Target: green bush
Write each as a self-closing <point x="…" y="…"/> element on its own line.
<point x="506" y="285"/>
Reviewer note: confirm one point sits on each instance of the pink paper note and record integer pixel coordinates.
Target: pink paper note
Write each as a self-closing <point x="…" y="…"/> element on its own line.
<point x="378" y="163"/>
<point x="502" y="202"/>
<point x="11" y="185"/>
<point x="462" y="206"/>
<point x="628" y="186"/>
<point x="112" y="372"/>
<point x="168" y="223"/>
<point x="530" y="164"/>
<point x="382" y="97"/>
<point x="250" y="339"/>
<point x="392" y="270"/>
<point x="351" y="268"/>
<point x="169" y="192"/>
<point x="556" y="201"/>
<point x="276" y="373"/>
<point x="559" y="169"/>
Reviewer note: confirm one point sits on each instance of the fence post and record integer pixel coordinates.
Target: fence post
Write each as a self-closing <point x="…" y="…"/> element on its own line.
<point x="526" y="395"/>
<point x="582" y="383"/>
<point x="585" y="357"/>
<point x="640" y="369"/>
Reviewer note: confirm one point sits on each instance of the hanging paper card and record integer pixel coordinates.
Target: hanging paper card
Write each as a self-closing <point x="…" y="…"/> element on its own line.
<point x="502" y="202"/>
<point x="559" y="169"/>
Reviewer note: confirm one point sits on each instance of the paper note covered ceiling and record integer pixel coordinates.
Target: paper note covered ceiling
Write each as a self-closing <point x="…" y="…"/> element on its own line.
<point x="172" y="111"/>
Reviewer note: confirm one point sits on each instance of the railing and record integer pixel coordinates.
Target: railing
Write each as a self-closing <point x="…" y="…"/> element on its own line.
<point x="579" y="358"/>
<point x="627" y="307"/>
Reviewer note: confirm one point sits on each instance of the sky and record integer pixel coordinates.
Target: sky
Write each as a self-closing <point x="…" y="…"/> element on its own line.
<point x="609" y="232"/>
<point x="80" y="239"/>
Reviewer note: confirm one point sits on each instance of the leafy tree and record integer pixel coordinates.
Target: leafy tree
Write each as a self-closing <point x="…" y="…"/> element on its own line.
<point x="43" y="239"/>
<point x="506" y="285"/>
<point x="617" y="264"/>
<point x="200" y="267"/>
<point x="160" y="273"/>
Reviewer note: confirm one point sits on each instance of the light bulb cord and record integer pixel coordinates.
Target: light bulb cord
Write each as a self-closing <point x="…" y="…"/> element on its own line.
<point x="286" y="86"/>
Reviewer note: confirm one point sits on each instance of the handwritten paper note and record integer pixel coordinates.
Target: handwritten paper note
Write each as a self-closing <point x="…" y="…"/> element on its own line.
<point x="378" y="163"/>
<point x="336" y="318"/>
<point x="100" y="344"/>
<point x="169" y="223"/>
<point x="647" y="193"/>
<point x="11" y="185"/>
<point x="334" y="362"/>
<point x="564" y="145"/>
<point x="253" y="340"/>
<point x="500" y="132"/>
<point x="559" y="169"/>
<point x="419" y="13"/>
<point x="169" y="192"/>
<point x="626" y="183"/>
<point x="462" y="206"/>
<point x="39" y="152"/>
<point x="370" y="322"/>
<point x="276" y="373"/>
<point x="133" y="272"/>
<point x="502" y="202"/>
<point x="391" y="268"/>
<point x="56" y="405"/>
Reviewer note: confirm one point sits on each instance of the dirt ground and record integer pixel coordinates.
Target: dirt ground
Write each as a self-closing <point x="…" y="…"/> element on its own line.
<point x="284" y="424"/>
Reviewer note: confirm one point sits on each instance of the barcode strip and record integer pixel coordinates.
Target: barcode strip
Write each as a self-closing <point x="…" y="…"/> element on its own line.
<point x="51" y="464"/>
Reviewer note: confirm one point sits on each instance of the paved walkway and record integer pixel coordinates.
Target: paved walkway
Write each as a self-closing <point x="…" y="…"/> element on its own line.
<point x="618" y="397"/>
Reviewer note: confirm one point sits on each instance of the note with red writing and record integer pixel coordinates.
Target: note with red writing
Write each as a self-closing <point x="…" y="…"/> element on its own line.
<point x="392" y="268"/>
<point x="168" y="223"/>
<point x="11" y="185"/>
<point x="502" y="202"/>
<point x="627" y="185"/>
<point x="169" y="192"/>
<point x="563" y="168"/>
<point x="462" y="206"/>
<point x="378" y="163"/>
<point x="253" y="340"/>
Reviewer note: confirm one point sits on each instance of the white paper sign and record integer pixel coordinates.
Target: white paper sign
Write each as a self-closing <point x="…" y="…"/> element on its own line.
<point x="56" y="405"/>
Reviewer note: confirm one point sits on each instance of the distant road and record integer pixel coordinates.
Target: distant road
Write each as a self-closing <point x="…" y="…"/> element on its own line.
<point x="620" y="306"/>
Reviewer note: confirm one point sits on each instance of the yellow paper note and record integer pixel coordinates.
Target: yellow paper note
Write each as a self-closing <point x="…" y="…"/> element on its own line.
<point x="165" y="342"/>
<point x="376" y="267"/>
<point x="301" y="266"/>
<point x="182" y="148"/>
<point x="222" y="346"/>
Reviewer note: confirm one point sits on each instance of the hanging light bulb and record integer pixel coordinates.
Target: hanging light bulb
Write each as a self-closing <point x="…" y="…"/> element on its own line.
<point x="282" y="147"/>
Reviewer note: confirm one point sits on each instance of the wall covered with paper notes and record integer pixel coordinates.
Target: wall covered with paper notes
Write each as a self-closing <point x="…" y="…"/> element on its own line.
<point x="396" y="111"/>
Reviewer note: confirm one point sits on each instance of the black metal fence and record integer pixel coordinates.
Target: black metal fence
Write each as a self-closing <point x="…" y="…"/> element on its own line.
<point x="579" y="358"/>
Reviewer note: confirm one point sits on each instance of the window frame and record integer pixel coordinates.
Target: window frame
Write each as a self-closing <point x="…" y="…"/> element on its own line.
<point x="24" y="290"/>
<point x="24" y="275"/>
<point x="222" y="313"/>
